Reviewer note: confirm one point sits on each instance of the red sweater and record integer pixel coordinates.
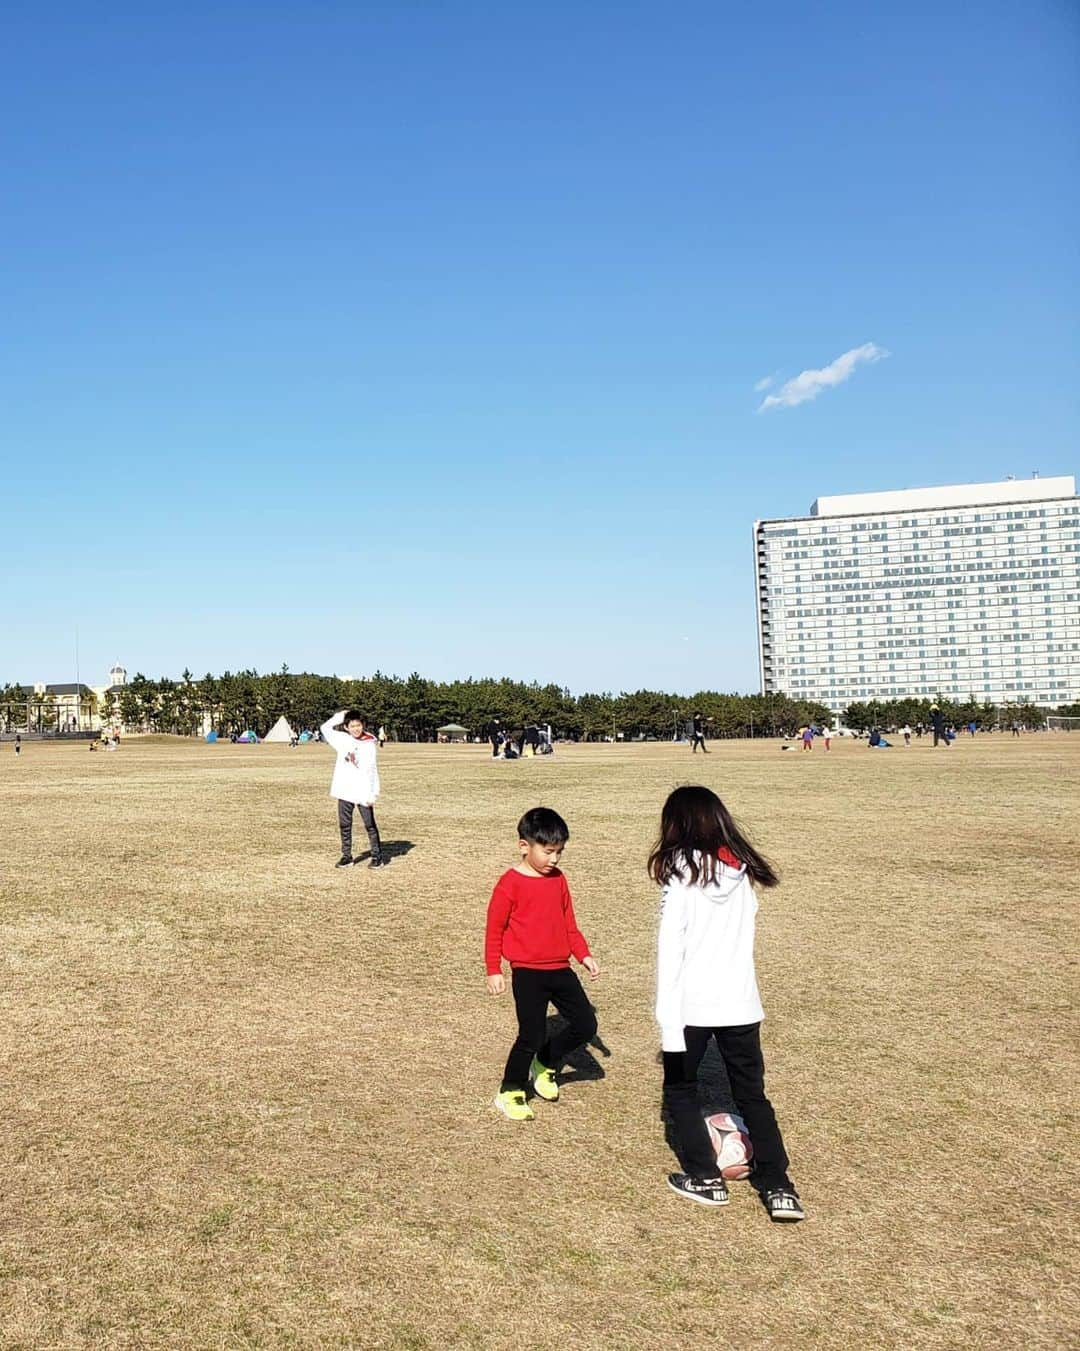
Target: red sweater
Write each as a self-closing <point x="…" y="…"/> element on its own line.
<point x="530" y="922"/>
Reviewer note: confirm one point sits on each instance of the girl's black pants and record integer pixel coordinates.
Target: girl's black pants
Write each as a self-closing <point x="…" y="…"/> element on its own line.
<point x="345" y="820"/>
<point x="533" y="991"/>
<point x="740" y="1048"/>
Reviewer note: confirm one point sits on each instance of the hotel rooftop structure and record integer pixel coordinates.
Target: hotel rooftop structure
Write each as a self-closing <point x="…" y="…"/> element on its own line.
<point x="958" y="591"/>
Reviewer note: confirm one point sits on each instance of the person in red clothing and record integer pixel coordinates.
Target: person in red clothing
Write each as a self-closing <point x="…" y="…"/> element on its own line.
<point x="530" y="922"/>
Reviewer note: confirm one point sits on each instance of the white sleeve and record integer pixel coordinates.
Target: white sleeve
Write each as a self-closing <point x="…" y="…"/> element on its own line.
<point x="329" y="730"/>
<point x="670" y="956"/>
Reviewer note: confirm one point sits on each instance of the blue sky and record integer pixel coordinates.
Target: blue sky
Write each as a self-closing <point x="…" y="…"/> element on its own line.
<point x="426" y="336"/>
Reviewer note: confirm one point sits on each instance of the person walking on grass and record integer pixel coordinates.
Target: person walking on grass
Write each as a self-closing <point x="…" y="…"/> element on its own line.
<point x="530" y="922"/>
<point x="706" y="990"/>
<point x="355" y="783"/>
<point x="698" y="738"/>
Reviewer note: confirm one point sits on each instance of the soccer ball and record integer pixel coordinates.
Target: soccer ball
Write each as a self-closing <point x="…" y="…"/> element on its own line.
<point x="732" y="1144"/>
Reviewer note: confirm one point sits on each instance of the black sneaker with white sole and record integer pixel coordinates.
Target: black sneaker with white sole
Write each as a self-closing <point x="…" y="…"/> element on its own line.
<point x="344" y="862"/>
<point x="709" y="1191"/>
<point x="783" y="1206"/>
<point x="380" y="861"/>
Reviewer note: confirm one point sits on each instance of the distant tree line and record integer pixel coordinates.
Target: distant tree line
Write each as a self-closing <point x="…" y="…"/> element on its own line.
<point x="411" y="708"/>
<point x="890" y="714"/>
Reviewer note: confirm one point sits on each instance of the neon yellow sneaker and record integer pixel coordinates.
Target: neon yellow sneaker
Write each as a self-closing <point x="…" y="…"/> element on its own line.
<point x="543" y="1081"/>
<point x="512" y="1104"/>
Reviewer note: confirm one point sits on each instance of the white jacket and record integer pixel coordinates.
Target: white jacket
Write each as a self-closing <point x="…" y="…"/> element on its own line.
<point x="356" y="774"/>
<point x="705" y="956"/>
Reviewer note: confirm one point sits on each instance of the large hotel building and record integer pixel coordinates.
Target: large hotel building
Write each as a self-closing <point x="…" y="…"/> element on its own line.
<point x="967" y="590"/>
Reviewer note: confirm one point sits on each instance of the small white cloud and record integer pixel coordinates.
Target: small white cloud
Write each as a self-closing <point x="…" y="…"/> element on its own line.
<point x="809" y="384"/>
<point x="762" y="385"/>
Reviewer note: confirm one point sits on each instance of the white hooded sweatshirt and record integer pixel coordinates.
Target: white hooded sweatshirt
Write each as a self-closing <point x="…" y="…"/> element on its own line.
<point x="705" y="956"/>
<point x="356" y="775"/>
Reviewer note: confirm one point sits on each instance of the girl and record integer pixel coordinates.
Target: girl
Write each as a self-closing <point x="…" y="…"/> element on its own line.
<point x="355" y="783"/>
<point x="706" y="988"/>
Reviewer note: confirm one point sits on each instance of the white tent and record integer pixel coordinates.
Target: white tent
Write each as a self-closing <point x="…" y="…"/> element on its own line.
<point x="281" y="731"/>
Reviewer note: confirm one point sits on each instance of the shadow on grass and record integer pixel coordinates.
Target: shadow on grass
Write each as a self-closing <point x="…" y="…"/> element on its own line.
<point x="580" y="1065"/>
<point x="390" y="849"/>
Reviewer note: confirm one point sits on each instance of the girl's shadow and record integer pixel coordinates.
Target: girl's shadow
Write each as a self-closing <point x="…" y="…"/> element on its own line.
<point x="580" y="1064"/>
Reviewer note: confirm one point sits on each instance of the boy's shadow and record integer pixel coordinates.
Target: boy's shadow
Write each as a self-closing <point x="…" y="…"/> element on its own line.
<point x="581" y="1064"/>
<point x="390" y="848"/>
<point x="714" y="1093"/>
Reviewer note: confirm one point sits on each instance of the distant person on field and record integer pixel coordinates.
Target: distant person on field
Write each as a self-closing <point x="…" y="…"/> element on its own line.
<point x="937" y="722"/>
<point x="530" y="922"/>
<point x="808" y="738"/>
<point x="827" y="734"/>
<point x="706" y="990"/>
<point x="18" y="743"/>
<point x="905" y="732"/>
<point x="698" y="737"/>
<point x="971" y="728"/>
<point x="355" y="783"/>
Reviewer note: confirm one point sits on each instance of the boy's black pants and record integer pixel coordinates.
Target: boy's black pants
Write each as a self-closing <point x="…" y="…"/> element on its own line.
<point x="740" y="1048"/>
<point x="533" y="991"/>
<point x="345" y="820"/>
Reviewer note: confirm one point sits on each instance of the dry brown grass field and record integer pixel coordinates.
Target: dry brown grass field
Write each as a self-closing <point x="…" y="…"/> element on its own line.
<point x="246" y="1096"/>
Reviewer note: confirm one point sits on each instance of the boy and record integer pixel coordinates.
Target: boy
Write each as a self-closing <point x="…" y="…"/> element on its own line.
<point x="530" y="922"/>
<point x="355" y="783"/>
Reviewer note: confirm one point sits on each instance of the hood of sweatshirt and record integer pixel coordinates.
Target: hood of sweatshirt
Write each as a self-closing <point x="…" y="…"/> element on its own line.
<point x="728" y="877"/>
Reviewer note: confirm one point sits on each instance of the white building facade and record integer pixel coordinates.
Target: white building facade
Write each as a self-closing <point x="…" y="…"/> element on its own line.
<point x="958" y="591"/>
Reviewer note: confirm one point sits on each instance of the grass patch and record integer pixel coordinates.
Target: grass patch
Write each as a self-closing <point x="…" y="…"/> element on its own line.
<point x="247" y="1096"/>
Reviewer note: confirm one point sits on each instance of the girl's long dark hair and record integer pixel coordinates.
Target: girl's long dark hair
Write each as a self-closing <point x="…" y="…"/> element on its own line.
<point x="694" y="826"/>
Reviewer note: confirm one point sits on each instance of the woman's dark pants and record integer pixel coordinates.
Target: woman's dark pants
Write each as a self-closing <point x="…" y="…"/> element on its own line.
<point x="740" y="1049"/>
<point x="345" y="820"/>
